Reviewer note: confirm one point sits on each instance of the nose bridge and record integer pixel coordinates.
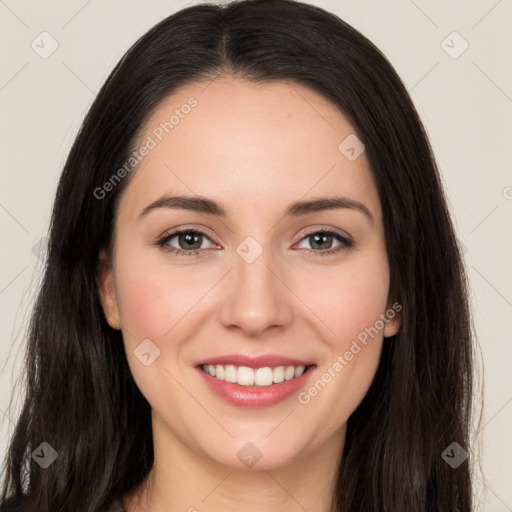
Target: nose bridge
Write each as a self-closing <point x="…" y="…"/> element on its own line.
<point x="256" y="297"/>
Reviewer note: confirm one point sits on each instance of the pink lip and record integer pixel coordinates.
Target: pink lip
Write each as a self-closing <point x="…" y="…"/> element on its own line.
<point x="271" y="360"/>
<point x="255" y="396"/>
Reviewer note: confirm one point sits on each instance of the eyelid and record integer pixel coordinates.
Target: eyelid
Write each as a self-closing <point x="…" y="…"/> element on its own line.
<point x="340" y="232"/>
<point x="206" y="232"/>
<point x="179" y="229"/>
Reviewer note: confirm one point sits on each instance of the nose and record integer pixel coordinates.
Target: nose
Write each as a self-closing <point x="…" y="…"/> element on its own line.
<point x="256" y="298"/>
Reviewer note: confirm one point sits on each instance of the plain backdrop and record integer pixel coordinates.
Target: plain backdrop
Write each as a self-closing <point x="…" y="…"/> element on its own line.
<point x="453" y="56"/>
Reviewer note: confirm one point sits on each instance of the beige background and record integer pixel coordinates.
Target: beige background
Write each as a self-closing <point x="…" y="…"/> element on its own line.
<point x="465" y="103"/>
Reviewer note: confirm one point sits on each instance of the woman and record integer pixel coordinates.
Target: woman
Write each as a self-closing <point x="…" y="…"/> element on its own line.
<point x="244" y="371"/>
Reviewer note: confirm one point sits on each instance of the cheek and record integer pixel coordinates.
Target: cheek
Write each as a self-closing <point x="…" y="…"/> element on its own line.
<point x="144" y="305"/>
<point x="350" y="300"/>
<point x="352" y="305"/>
<point x="153" y="304"/>
<point x="152" y="297"/>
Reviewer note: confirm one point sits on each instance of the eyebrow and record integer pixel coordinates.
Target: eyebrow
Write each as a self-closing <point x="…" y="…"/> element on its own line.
<point x="210" y="207"/>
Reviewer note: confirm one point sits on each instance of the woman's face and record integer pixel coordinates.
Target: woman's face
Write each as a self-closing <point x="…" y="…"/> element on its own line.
<point x="265" y="283"/>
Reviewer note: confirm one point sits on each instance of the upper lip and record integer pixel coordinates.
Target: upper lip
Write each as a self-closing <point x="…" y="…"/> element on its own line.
<point x="262" y="361"/>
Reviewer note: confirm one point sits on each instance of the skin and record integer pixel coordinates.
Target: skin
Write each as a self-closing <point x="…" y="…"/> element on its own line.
<point x="255" y="148"/>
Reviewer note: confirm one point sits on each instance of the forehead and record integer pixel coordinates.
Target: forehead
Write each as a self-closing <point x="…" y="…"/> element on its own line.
<point x="245" y="143"/>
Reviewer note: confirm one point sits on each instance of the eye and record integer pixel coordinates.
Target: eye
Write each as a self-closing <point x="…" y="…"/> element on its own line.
<point x="190" y="239"/>
<point x="321" y="238"/>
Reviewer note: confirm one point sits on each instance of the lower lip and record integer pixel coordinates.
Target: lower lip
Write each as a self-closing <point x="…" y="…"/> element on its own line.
<point x="255" y="396"/>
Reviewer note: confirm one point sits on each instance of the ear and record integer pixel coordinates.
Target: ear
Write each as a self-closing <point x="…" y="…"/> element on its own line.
<point x="106" y="290"/>
<point x="393" y="318"/>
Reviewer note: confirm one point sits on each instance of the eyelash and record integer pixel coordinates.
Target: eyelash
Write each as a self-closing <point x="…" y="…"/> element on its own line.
<point x="346" y="242"/>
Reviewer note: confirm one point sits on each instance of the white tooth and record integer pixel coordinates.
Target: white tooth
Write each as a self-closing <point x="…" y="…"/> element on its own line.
<point x="278" y="374"/>
<point x="263" y="376"/>
<point x="245" y="376"/>
<point x="289" y="373"/>
<point x="230" y="373"/>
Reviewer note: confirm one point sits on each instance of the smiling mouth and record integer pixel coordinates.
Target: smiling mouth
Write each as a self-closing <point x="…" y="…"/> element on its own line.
<point x="259" y="377"/>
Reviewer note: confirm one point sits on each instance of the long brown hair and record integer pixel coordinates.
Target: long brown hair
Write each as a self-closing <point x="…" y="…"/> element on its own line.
<point x="80" y="396"/>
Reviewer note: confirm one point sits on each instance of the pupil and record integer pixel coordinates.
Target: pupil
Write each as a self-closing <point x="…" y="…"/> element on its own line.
<point x="188" y="238"/>
<point x="322" y="237"/>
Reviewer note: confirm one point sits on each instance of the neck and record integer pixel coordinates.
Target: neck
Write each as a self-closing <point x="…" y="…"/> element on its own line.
<point x="183" y="480"/>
